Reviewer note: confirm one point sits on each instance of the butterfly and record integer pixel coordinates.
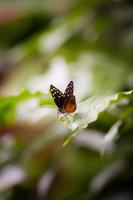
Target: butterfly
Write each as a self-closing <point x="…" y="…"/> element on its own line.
<point x="66" y="102"/>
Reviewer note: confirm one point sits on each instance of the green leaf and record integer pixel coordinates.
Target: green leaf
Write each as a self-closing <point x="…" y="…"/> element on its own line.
<point x="8" y="104"/>
<point x="89" y="110"/>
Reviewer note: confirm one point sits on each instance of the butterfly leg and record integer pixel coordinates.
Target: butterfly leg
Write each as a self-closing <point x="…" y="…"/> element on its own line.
<point x="66" y="116"/>
<point x="61" y="115"/>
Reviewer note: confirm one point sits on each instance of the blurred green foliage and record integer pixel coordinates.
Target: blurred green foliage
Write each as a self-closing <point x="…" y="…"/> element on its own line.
<point x="88" y="154"/>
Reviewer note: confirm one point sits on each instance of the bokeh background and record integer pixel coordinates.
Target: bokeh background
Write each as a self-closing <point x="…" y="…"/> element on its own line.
<point x="53" y="42"/>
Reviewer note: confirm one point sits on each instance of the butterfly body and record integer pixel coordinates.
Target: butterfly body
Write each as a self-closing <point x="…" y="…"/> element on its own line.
<point x="66" y="102"/>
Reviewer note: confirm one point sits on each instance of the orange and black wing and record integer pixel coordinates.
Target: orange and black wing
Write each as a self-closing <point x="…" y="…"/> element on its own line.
<point x="69" y="105"/>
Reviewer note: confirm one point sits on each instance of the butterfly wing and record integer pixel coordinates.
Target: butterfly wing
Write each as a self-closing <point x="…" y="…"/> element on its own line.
<point x="69" y="105"/>
<point x="69" y="89"/>
<point x="57" y="96"/>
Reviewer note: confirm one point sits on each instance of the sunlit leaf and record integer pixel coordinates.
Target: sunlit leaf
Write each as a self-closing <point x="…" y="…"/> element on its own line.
<point x="89" y="110"/>
<point x="8" y="104"/>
